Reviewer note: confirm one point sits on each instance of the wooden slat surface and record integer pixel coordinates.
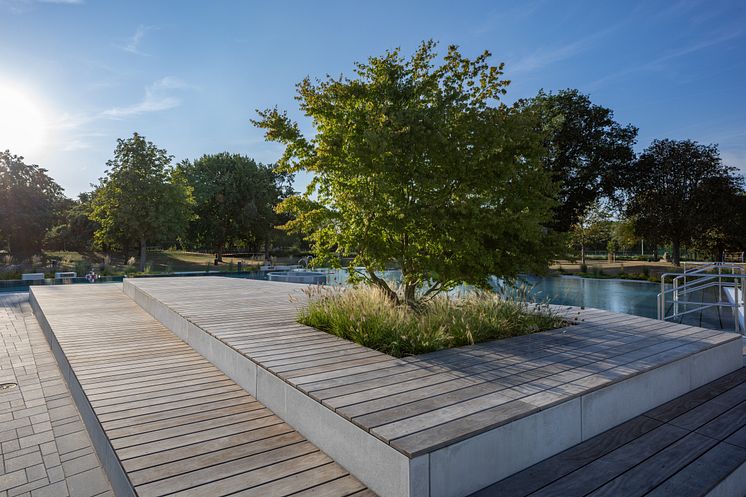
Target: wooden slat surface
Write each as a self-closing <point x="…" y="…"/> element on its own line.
<point x="682" y="448"/>
<point x="176" y="423"/>
<point x="419" y="404"/>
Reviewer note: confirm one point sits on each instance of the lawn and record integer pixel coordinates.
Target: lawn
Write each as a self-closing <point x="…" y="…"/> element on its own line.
<point x="159" y="261"/>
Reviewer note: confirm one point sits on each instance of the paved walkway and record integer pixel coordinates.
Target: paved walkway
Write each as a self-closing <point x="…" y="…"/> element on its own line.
<point x="44" y="447"/>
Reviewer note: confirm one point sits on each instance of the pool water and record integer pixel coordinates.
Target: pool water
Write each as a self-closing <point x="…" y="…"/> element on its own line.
<point x="630" y="297"/>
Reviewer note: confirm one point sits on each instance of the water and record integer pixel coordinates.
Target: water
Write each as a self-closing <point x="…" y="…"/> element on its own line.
<point x="630" y="297"/>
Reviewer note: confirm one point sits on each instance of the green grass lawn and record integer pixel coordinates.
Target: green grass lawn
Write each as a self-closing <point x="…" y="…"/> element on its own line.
<point x="158" y="261"/>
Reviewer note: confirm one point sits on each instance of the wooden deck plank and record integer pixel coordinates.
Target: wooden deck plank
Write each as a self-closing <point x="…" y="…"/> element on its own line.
<point x="417" y="402"/>
<point x="176" y="423"/>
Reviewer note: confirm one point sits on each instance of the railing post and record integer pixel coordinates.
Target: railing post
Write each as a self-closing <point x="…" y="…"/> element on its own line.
<point x="676" y="296"/>
<point x="737" y="299"/>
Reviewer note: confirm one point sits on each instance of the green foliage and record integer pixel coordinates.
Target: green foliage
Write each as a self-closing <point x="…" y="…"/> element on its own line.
<point x="586" y="149"/>
<point x="76" y="230"/>
<point x="366" y="315"/>
<point x="234" y="200"/>
<point x="593" y="230"/>
<point x="141" y="199"/>
<point x="29" y="200"/>
<point x="679" y="190"/>
<point x="414" y="163"/>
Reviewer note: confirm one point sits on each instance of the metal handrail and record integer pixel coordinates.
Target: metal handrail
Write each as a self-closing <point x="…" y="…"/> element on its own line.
<point x="701" y="277"/>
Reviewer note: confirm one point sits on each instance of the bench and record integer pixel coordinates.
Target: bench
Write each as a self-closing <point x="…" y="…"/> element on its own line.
<point x="32" y="276"/>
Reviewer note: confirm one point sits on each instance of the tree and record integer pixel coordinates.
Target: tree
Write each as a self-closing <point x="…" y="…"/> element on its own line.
<point x="415" y="163"/>
<point x="673" y="191"/>
<point x="29" y="199"/>
<point x="723" y="204"/>
<point x="75" y="230"/>
<point x="594" y="229"/>
<point x="586" y="151"/>
<point x="234" y="200"/>
<point x="141" y="198"/>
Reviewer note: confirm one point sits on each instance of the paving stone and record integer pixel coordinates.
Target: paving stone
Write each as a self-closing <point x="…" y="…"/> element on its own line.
<point x="55" y="474"/>
<point x="11" y="480"/>
<point x="71" y="427"/>
<point x="72" y="442"/>
<point x="35" y="472"/>
<point x="36" y="439"/>
<point x="75" y="454"/>
<point x="80" y="464"/>
<point x="88" y="484"/>
<point x="22" y="461"/>
<point x="58" y="489"/>
<point x="51" y="460"/>
<point x="28" y="487"/>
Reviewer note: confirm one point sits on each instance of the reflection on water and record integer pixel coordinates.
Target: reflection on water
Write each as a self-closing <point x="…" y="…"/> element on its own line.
<point x="630" y="297"/>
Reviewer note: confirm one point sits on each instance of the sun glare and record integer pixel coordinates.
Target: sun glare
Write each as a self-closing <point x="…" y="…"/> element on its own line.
<point x="22" y="125"/>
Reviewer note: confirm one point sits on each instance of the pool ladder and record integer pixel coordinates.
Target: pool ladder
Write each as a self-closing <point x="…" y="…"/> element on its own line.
<point x="726" y="279"/>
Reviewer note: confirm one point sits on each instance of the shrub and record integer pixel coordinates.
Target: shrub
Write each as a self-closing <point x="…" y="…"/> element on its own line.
<point x="365" y="315"/>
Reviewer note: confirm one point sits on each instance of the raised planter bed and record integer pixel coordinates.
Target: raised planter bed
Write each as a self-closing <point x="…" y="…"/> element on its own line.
<point x="447" y="423"/>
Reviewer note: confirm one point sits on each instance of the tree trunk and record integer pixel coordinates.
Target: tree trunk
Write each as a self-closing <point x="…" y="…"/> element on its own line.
<point x="582" y="253"/>
<point x="143" y="253"/>
<point x="410" y="295"/>
<point x="676" y="252"/>
<point x="266" y="249"/>
<point x="383" y="286"/>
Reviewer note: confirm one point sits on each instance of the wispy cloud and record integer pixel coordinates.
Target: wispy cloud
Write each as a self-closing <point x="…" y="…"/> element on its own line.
<point x="551" y="55"/>
<point x="23" y="6"/>
<point x="158" y="97"/>
<point x="495" y="17"/>
<point x="132" y="45"/>
<point x="660" y="61"/>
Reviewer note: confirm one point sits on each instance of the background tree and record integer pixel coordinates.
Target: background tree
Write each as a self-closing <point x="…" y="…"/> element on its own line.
<point x="673" y="191"/>
<point x="586" y="152"/>
<point x="593" y="230"/>
<point x="721" y="214"/>
<point x="234" y="200"/>
<point x="415" y="165"/>
<point x="141" y="198"/>
<point x="29" y="200"/>
<point x="75" y="231"/>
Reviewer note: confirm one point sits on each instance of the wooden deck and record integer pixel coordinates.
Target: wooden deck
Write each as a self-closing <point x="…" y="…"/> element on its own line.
<point x="692" y="446"/>
<point x="176" y="424"/>
<point x="423" y="403"/>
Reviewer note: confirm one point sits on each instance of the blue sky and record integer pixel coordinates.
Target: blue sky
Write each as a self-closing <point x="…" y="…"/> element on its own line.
<point x="189" y="75"/>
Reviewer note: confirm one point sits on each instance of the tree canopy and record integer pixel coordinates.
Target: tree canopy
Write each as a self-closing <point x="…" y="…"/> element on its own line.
<point x="679" y="190"/>
<point x="586" y="151"/>
<point x="416" y="162"/>
<point x="142" y="198"/>
<point x="29" y="200"/>
<point x="234" y="200"/>
<point x="75" y="230"/>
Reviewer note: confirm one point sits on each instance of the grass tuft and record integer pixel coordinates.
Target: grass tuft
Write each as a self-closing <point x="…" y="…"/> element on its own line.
<point x="365" y="316"/>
